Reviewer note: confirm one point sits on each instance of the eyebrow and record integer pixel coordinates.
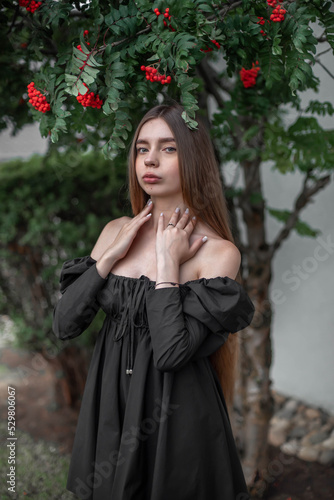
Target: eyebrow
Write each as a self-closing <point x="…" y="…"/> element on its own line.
<point x="161" y="140"/>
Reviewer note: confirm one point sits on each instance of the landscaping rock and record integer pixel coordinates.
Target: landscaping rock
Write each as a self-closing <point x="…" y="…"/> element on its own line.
<point x="308" y="453"/>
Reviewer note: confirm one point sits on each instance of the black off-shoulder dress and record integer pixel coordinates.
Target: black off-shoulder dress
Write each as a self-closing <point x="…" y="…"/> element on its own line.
<point x="153" y="423"/>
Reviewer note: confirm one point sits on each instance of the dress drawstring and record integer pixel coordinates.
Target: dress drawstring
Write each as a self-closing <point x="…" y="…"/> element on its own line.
<point x="127" y="322"/>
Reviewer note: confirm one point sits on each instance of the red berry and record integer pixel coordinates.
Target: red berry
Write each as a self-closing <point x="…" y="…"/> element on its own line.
<point x="248" y="76"/>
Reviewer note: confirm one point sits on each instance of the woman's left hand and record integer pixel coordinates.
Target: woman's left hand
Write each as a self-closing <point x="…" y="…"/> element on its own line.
<point x="173" y="241"/>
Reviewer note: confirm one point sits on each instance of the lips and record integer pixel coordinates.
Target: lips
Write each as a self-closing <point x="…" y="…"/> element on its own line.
<point x="151" y="178"/>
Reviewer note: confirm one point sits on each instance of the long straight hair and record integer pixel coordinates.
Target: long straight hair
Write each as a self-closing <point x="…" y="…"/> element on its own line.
<point x="202" y="192"/>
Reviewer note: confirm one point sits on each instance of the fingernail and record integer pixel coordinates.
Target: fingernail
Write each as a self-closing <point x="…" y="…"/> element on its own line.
<point x="148" y="215"/>
<point x="186" y="211"/>
<point x="149" y="202"/>
<point x="194" y="218"/>
<point x="205" y="239"/>
<point x="161" y="214"/>
<point x="177" y="210"/>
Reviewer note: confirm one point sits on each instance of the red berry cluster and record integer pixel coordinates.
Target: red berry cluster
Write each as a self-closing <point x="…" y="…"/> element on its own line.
<point x="248" y="76"/>
<point x="153" y="75"/>
<point x="37" y="99"/>
<point x="262" y="21"/>
<point x="273" y="3"/>
<point x="216" y="43"/>
<point x="166" y="16"/>
<point x="210" y="49"/>
<point x="277" y="15"/>
<point x="89" y="99"/>
<point x="30" y="5"/>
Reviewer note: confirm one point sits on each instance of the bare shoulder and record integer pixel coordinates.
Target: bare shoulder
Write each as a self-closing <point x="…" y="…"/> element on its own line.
<point x="107" y="236"/>
<point x="219" y="258"/>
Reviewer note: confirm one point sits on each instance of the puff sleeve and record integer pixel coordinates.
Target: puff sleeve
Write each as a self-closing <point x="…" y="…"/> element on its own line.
<point x="194" y="320"/>
<point x="79" y="284"/>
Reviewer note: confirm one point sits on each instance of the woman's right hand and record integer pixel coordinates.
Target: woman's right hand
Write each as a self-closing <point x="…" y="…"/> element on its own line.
<point x="123" y="241"/>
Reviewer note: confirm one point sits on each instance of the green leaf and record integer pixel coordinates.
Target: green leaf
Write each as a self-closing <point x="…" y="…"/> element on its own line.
<point x="276" y="50"/>
<point x="250" y="133"/>
<point x="304" y="229"/>
<point x="91" y="71"/>
<point x="70" y="78"/>
<point x="54" y="136"/>
<point x="87" y="78"/>
<point x="106" y="108"/>
<point x="192" y="124"/>
<point x="118" y="84"/>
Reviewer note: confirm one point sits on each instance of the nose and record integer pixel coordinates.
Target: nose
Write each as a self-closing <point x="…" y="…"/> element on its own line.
<point x="151" y="160"/>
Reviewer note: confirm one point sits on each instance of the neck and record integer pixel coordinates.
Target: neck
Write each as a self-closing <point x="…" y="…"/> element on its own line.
<point x="167" y="206"/>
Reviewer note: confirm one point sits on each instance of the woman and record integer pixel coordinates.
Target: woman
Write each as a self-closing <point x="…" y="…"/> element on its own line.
<point x="153" y="423"/>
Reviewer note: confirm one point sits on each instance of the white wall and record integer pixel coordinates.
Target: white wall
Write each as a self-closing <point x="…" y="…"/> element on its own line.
<point x="303" y="326"/>
<point x="23" y="145"/>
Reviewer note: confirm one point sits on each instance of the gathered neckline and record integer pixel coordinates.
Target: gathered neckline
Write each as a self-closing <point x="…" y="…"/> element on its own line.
<point x="143" y="277"/>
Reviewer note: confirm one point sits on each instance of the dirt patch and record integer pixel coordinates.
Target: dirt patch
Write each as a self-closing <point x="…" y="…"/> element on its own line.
<point x="36" y="411"/>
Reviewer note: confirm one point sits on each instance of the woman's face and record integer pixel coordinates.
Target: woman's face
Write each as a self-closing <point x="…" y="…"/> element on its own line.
<point x="157" y="165"/>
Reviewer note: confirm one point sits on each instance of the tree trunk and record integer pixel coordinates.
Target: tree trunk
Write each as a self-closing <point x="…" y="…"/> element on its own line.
<point x="70" y="367"/>
<point x="254" y="402"/>
<point x="255" y="382"/>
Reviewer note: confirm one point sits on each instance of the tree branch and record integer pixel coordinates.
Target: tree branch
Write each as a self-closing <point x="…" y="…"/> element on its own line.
<point x="208" y="75"/>
<point x="323" y="52"/>
<point x="303" y="199"/>
<point x="324" y="67"/>
<point x="322" y="38"/>
<point x="225" y="10"/>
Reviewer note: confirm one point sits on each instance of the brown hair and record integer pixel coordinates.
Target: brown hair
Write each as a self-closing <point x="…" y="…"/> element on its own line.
<point x="203" y="193"/>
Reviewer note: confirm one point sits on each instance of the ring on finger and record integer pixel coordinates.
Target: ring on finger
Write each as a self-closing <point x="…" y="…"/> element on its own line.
<point x="170" y="224"/>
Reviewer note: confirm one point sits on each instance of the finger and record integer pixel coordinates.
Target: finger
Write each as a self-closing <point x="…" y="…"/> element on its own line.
<point x="136" y="223"/>
<point x="175" y="217"/>
<point x="143" y="213"/>
<point x="143" y="216"/>
<point x="197" y="245"/>
<point x="147" y="207"/>
<point x="184" y="219"/>
<point x="161" y="223"/>
<point x="190" y="226"/>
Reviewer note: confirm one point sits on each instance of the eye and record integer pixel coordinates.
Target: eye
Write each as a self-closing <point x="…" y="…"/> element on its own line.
<point x="141" y="150"/>
<point x="170" y="149"/>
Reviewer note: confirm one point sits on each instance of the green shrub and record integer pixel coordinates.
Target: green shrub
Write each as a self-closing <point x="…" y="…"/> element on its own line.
<point x="53" y="208"/>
